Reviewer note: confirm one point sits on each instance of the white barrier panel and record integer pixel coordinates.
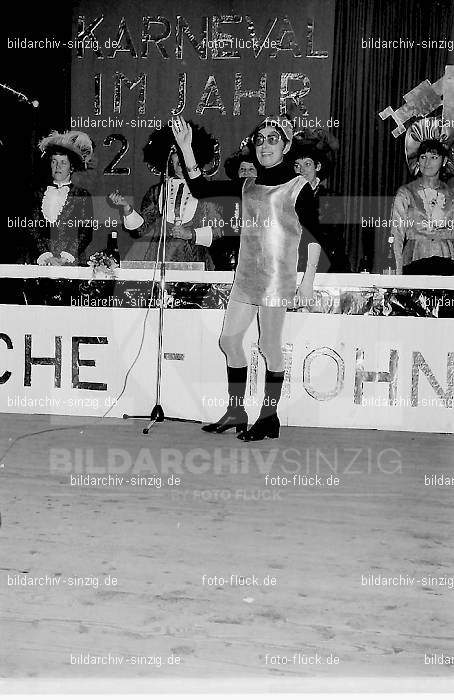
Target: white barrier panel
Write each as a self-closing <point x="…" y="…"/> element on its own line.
<point x="388" y="373"/>
<point x="73" y="361"/>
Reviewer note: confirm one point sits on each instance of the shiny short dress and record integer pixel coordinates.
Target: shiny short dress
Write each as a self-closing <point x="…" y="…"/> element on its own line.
<point x="270" y="236"/>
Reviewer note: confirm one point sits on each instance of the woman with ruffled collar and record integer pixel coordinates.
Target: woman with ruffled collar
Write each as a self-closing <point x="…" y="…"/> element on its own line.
<point x="63" y="212"/>
<point x="423" y="210"/>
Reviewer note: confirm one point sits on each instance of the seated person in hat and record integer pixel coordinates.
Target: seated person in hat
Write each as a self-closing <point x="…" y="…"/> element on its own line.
<point x="192" y="225"/>
<point x="62" y="212"/>
<point x="423" y="210"/>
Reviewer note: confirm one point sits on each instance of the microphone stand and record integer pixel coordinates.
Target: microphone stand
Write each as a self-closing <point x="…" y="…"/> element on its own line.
<point x="157" y="413"/>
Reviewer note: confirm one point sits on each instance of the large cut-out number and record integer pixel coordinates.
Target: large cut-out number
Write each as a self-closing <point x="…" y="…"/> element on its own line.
<point x="111" y="169"/>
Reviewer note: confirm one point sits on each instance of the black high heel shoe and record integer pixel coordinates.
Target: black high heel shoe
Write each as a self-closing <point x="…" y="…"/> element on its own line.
<point x="231" y="419"/>
<point x="267" y="427"/>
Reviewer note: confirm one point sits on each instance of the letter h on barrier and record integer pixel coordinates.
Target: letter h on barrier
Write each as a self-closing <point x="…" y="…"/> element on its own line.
<point x="362" y="375"/>
<point x="29" y="361"/>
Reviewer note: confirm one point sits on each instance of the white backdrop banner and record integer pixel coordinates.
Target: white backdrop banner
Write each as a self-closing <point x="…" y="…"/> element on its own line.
<point x="389" y="373"/>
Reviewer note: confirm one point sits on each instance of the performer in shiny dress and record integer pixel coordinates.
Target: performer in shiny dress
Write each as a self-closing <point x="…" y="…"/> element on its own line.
<point x="274" y="210"/>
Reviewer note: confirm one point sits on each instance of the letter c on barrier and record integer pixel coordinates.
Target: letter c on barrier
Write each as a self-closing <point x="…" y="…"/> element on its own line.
<point x="323" y="395"/>
<point x="7" y="340"/>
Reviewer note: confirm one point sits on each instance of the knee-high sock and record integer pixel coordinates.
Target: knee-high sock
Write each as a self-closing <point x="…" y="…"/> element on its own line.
<point x="273" y="388"/>
<point x="236" y="377"/>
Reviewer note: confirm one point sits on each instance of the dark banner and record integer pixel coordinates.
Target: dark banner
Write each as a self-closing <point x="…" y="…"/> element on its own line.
<point x="221" y="64"/>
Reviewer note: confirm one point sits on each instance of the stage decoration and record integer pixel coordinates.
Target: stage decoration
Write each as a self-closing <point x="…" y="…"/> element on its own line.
<point x="110" y="169"/>
<point x="123" y="34"/>
<point x="200" y="47"/>
<point x="78" y="143"/>
<point x="226" y="69"/>
<point x="210" y="98"/>
<point x="121" y="78"/>
<point x="313" y="53"/>
<point x="421" y="101"/>
<point x="220" y="39"/>
<point x="239" y="93"/>
<point x="97" y="108"/>
<point x="296" y="95"/>
<point x="381" y="302"/>
<point x="175" y="111"/>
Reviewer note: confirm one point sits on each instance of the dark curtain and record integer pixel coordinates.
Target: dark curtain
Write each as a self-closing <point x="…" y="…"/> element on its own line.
<point x="371" y="161"/>
<point x="42" y="74"/>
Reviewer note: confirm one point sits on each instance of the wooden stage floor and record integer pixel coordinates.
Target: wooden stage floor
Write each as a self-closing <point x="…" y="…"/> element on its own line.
<point x="349" y="581"/>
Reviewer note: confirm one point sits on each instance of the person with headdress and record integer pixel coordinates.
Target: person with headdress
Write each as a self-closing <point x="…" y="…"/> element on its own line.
<point x="62" y="212"/>
<point x="192" y="226"/>
<point x="274" y="207"/>
<point x="312" y="153"/>
<point x="422" y="215"/>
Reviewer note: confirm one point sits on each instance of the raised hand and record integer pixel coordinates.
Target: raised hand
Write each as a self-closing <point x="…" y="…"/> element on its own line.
<point x="117" y="199"/>
<point x="182" y="132"/>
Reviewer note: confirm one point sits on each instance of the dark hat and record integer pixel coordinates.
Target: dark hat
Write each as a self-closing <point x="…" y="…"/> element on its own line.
<point x="318" y="144"/>
<point x="232" y="164"/>
<point x="162" y="141"/>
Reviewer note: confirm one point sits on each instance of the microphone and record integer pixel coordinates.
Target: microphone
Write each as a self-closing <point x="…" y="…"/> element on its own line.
<point x="20" y="96"/>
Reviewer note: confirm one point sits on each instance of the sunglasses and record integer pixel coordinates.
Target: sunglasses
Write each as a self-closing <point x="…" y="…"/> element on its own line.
<point x="272" y="139"/>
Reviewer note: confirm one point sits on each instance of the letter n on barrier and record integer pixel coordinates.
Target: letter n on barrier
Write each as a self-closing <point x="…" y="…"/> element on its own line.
<point x="420" y="364"/>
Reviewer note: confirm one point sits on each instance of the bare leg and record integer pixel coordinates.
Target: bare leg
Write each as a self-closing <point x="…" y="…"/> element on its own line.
<point x="271" y="323"/>
<point x="238" y="318"/>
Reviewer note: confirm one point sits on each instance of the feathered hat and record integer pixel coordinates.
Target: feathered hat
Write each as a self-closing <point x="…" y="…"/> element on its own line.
<point x="162" y="141"/>
<point x="429" y="129"/>
<point x="76" y="143"/>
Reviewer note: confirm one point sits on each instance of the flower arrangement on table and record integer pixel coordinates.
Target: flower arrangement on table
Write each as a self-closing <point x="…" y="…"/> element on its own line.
<point x="102" y="262"/>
